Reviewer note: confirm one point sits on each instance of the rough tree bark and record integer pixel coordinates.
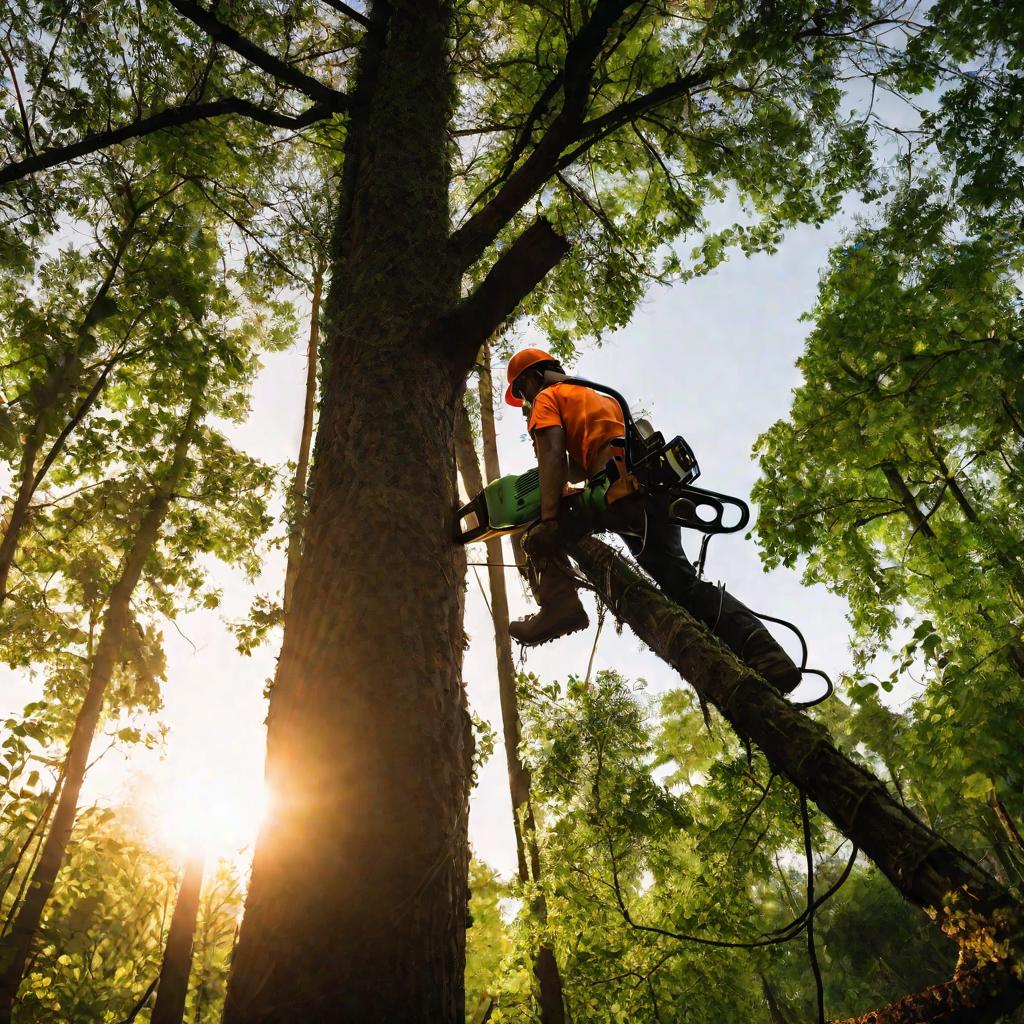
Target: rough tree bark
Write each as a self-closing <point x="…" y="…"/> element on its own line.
<point x="369" y="746"/>
<point x="15" y="948"/>
<point x="545" y="966"/>
<point x="299" y="479"/>
<point x="365" y="854"/>
<point x="172" y="988"/>
<point x="979" y="996"/>
<point x="925" y="868"/>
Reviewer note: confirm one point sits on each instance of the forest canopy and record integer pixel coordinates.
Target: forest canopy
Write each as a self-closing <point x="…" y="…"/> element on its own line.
<point x="362" y="209"/>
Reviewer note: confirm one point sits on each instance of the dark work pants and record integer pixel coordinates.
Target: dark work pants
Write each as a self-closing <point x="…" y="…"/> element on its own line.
<point x="658" y="548"/>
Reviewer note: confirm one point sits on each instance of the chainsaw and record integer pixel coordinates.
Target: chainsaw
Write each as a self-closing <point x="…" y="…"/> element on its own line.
<point x="666" y="469"/>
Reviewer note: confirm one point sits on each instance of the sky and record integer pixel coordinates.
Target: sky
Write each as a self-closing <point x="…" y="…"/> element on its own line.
<point x="712" y="359"/>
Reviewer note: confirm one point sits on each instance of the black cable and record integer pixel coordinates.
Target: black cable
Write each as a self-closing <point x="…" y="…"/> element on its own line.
<point x="811" y="950"/>
<point x="802" y="667"/>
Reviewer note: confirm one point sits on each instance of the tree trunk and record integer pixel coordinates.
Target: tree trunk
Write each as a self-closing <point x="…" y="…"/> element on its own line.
<point x="920" y="863"/>
<point x="775" y="1014"/>
<point x="61" y="382"/>
<point x="552" y="999"/>
<point x="19" y="510"/>
<point x="545" y="966"/>
<point x="174" y="971"/>
<point x="369" y="746"/>
<point x="15" y="948"/>
<point x="298" y="488"/>
<point x="979" y="996"/>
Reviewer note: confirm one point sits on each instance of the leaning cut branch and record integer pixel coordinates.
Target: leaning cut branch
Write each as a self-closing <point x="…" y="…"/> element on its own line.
<point x="173" y="117"/>
<point x="282" y="72"/>
<point x="979" y="996"/>
<point x="516" y="273"/>
<point x="924" y="867"/>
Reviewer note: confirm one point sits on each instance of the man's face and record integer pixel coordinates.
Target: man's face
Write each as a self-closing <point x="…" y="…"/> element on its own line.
<point x="528" y="385"/>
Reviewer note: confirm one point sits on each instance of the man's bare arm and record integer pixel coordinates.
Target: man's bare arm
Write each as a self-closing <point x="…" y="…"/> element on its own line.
<point x="554" y="469"/>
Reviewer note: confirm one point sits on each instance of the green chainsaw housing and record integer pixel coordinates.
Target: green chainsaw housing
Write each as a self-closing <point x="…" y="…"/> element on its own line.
<point x="512" y="503"/>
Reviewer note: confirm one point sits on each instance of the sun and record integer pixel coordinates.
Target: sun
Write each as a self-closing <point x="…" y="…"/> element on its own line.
<point x="203" y="813"/>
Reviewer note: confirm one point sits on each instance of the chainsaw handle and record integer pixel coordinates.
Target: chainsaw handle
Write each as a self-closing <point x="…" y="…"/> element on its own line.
<point x="684" y="508"/>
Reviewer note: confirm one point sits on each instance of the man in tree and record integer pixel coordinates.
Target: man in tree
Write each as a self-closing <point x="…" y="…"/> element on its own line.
<point x="573" y="429"/>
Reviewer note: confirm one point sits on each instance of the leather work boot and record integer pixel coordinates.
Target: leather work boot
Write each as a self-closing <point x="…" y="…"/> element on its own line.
<point x="764" y="655"/>
<point x="561" y="612"/>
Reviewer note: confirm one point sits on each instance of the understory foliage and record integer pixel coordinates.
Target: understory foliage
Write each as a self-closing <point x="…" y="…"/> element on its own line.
<point x="663" y="836"/>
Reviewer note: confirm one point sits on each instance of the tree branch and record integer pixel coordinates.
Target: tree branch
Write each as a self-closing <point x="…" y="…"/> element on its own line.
<point x="979" y="996"/>
<point x="516" y="273"/>
<point x="173" y="117"/>
<point x="597" y="128"/>
<point x="350" y="12"/>
<point x="284" y="73"/>
<point x="576" y="77"/>
<point x="924" y="867"/>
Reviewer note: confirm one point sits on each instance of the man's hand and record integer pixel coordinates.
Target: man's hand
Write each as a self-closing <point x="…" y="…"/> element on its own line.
<point x="543" y="540"/>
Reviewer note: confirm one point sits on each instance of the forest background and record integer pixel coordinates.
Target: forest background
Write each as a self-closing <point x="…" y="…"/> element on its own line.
<point x="712" y="357"/>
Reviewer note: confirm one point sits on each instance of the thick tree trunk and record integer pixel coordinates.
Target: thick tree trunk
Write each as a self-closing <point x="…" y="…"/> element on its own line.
<point x="299" y="480"/>
<point x="920" y="863"/>
<point x="545" y="966"/>
<point x="172" y="987"/>
<point x="15" y="948"/>
<point x="357" y="906"/>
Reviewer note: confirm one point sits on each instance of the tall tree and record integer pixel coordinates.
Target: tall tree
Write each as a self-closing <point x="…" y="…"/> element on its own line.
<point x="176" y="968"/>
<point x="545" y="968"/>
<point x="109" y="651"/>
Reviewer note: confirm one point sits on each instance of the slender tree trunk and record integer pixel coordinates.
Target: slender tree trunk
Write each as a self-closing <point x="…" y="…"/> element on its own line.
<point x="29" y="478"/>
<point x="19" y="510"/>
<point x="775" y="1014"/>
<point x="552" y="998"/>
<point x="545" y="966"/>
<point x="15" y="948"/>
<point x="1007" y="821"/>
<point x="369" y="746"/>
<point x="925" y="868"/>
<point x="298" y="488"/>
<point x="39" y="825"/>
<point x="172" y="987"/>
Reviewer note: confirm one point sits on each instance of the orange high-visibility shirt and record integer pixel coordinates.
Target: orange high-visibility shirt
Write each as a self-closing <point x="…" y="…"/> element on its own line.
<point x="590" y="420"/>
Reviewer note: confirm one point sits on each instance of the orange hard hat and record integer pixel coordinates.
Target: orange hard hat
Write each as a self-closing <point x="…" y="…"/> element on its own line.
<point x="519" y="364"/>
